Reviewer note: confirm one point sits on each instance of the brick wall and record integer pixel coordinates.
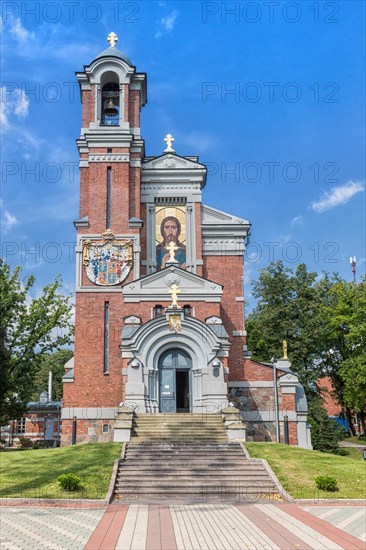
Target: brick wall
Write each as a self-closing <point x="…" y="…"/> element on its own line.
<point x="88" y="106"/>
<point x="227" y="271"/>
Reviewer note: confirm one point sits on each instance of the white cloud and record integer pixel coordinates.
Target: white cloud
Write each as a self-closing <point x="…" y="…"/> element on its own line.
<point x="167" y="23"/>
<point x="12" y="102"/>
<point x="199" y="141"/>
<point x="19" y="31"/>
<point x="7" y="219"/>
<point x="297" y="220"/>
<point x="337" y="195"/>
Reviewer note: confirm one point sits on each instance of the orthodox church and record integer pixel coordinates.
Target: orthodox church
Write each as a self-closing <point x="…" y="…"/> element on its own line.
<point x="159" y="282"/>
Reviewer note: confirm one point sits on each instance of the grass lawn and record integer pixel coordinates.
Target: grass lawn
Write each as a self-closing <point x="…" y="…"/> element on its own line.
<point x="297" y="469"/>
<point x="33" y="474"/>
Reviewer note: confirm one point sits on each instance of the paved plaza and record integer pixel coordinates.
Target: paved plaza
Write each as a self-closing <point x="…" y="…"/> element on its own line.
<point x="183" y="527"/>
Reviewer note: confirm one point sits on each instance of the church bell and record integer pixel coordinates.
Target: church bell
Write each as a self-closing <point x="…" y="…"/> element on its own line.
<point x="111" y="109"/>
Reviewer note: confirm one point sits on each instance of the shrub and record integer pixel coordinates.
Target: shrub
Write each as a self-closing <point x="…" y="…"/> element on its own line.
<point x="325" y="432"/>
<point x="326" y="483"/>
<point x="69" y="482"/>
<point x="25" y="442"/>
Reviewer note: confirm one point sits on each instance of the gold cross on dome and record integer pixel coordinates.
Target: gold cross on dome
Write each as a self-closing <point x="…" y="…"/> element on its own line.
<point x="112" y="39"/>
<point x="169" y="140"/>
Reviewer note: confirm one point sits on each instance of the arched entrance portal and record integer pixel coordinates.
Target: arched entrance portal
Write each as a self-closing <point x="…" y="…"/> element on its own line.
<point x="175" y="368"/>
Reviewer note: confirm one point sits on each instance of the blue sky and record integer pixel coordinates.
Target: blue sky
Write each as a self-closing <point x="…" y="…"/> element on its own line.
<point x="270" y="95"/>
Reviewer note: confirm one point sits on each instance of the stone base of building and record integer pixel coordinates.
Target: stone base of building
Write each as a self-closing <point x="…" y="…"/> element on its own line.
<point x="87" y="431"/>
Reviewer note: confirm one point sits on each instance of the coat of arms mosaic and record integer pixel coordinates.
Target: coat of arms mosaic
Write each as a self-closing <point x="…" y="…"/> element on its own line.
<point x="108" y="261"/>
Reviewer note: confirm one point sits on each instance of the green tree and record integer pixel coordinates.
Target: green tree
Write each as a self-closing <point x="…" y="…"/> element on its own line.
<point x="344" y="355"/>
<point x="53" y="362"/>
<point x="29" y="329"/>
<point x="289" y="306"/>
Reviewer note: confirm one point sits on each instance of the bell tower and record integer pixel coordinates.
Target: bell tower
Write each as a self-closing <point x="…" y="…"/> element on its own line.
<point x="110" y="144"/>
<point x="109" y="227"/>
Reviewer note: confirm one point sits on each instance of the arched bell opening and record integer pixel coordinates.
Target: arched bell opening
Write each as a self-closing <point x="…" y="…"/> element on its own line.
<point x="110" y="99"/>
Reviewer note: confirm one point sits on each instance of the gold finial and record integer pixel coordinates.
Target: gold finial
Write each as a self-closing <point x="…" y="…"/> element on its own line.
<point x="171" y="249"/>
<point x="169" y="140"/>
<point x="174" y="291"/>
<point x="112" y="39"/>
<point x="285" y="349"/>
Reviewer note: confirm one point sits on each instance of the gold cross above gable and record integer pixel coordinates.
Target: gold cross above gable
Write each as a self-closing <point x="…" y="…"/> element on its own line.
<point x="112" y="39"/>
<point x="174" y="291"/>
<point x="169" y="140"/>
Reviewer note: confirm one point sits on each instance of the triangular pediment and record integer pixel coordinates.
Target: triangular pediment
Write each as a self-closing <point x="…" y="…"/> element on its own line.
<point x="212" y="216"/>
<point x="171" y="161"/>
<point x="155" y="287"/>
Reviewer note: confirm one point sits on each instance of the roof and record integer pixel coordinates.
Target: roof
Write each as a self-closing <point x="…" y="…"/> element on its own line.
<point x="114" y="52"/>
<point x="39" y="405"/>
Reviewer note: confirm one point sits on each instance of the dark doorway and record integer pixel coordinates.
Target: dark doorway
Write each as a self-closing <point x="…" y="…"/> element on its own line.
<point x="175" y="367"/>
<point x="182" y="390"/>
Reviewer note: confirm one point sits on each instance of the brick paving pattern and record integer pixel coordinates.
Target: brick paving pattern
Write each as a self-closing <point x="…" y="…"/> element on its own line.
<point x="352" y="520"/>
<point x="45" y="528"/>
<point x="257" y="526"/>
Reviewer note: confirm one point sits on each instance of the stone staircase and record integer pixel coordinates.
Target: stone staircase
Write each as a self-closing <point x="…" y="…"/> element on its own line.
<point x="187" y="458"/>
<point x="178" y="428"/>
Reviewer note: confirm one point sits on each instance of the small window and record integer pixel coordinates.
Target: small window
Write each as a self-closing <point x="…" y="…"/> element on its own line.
<point x="158" y="311"/>
<point x="187" y="310"/>
<point x="21" y="425"/>
<point x="105" y="428"/>
<point x="109" y="150"/>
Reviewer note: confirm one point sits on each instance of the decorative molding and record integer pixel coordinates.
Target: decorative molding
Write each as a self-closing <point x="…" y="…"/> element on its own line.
<point x="181" y="185"/>
<point x="213" y="320"/>
<point x="109" y="158"/>
<point x="170" y="160"/>
<point x="222" y="245"/>
<point x="214" y="216"/>
<point x="135" y="163"/>
<point x="82" y="223"/>
<point x="135" y="223"/>
<point x="133" y="320"/>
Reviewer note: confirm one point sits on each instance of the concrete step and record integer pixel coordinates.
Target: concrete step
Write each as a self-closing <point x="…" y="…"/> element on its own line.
<point x="193" y="490"/>
<point x="172" y="455"/>
<point x="171" y="440"/>
<point x="193" y="467"/>
<point x="175" y="481"/>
